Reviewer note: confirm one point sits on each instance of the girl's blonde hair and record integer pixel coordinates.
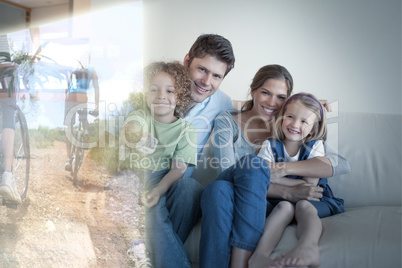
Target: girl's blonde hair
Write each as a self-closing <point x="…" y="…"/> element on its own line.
<point x="319" y="130"/>
<point x="182" y="82"/>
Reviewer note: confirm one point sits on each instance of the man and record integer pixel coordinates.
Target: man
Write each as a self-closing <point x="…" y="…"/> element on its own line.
<point x="209" y="60"/>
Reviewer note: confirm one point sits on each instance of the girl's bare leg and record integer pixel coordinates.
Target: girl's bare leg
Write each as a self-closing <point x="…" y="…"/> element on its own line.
<point x="7" y="144"/>
<point x="275" y="225"/>
<point x="67" y="166"/>
<point x="239" y="258"/>
<point x="308" y="231"/>
<point x="8" y="189"/>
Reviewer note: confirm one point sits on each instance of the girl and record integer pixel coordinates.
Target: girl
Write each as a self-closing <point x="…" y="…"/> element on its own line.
<point x="300" y="131"/>
<point x="163" y="146"/>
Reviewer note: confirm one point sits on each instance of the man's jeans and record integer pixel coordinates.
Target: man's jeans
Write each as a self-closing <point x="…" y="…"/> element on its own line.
<point x="233" y="211"/>
<point x="169" y="223"/>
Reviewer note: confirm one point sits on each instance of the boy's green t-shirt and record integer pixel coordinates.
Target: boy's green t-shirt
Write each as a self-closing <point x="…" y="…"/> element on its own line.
<point x="176" y="142"/>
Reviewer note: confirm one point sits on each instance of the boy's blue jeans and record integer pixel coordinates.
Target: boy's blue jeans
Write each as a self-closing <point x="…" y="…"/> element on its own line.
<point x="168" y="224"/>
<point x="233" y="211"/>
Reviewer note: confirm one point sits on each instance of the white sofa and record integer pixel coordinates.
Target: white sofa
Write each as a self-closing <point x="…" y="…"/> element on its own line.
<point x="368" y="233"/>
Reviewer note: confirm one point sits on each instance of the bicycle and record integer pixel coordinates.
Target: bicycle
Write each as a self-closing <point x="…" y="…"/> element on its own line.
<point x="21" y="154"/>
<point x="77" y="148"/>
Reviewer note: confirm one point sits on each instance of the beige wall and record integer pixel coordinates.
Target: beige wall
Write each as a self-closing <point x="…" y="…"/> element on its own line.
<point x="346" y="50"/>
<point x="44" y="15"/>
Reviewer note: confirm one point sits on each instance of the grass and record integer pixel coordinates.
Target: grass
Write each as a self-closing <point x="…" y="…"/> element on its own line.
<point x="107" y="152"/>
<point x="43" y="137"/>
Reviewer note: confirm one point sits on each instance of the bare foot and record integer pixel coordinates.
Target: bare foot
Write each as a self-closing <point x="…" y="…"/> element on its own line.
<point x="300" y="257"/>
<point x="261" y="261"/>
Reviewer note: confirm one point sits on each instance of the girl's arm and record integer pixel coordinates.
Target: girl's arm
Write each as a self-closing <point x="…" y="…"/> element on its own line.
<point x="96" y="88"/>
<point x="296" y="193"/>
<point x="315" y="167"/>
<point x="223" y="141"/>
<point x="311" y="169"/>
<point x="332" y="164"/>
<point x="175" y="173"/>
<point x="280" y="185"/>
<point x="68" y="83"/>
<point x="289" y="182"/>
<point x="310" y="180"/>
<point x="284" y="181"/>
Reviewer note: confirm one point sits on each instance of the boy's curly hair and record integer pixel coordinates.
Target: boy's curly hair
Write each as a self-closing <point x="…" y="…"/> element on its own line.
<point x="182" y="82"/>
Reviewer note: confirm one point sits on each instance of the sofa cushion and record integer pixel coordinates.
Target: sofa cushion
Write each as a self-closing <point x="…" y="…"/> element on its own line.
<point x="359" y="237"/>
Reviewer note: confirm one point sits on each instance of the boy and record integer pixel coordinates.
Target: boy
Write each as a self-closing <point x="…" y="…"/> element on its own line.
<point x="164" y="145"/>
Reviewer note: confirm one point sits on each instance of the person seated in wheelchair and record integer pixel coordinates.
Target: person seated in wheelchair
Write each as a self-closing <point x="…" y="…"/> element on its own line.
<point x="8" y="188"/>
<point x="80" y="82"/>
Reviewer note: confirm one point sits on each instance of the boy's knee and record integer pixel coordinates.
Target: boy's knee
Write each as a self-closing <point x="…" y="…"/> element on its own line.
<point x="156" y="215"/>
<point x="190" y="184"/>
<point x="187" y="189"/>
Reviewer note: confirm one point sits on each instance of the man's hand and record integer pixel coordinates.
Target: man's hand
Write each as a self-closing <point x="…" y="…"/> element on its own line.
<point x="304" y="192"/>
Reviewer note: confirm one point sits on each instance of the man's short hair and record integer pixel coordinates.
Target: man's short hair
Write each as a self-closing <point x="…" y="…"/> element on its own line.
<point x="213" y="45"/>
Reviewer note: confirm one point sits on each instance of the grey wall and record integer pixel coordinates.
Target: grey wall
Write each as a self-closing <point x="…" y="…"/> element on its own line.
<point x="11" y="18"/>
<point x="346" y="50"/>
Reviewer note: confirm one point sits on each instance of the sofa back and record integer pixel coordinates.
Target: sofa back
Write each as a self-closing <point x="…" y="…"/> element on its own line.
<point x="372" y="145"/>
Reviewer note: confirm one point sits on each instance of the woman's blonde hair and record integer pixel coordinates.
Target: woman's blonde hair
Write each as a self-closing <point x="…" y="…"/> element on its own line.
<point x="319" y="130"/>
<point x="182" y="82"/>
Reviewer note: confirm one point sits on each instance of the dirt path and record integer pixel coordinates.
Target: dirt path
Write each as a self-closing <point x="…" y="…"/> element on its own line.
<point x="60" y="225"/>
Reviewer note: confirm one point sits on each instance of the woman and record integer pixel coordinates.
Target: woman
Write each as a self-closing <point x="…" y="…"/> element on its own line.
<point x="80" y="82"/>
<point x="8" y="188"/>
<point x="240" y="134"/>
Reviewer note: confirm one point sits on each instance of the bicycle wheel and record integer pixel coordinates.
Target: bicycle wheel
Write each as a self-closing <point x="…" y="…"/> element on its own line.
<point x="21" y="161"/>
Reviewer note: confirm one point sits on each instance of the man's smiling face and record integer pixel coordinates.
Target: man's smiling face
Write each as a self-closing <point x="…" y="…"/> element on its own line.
<point x="207" y="74"/>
